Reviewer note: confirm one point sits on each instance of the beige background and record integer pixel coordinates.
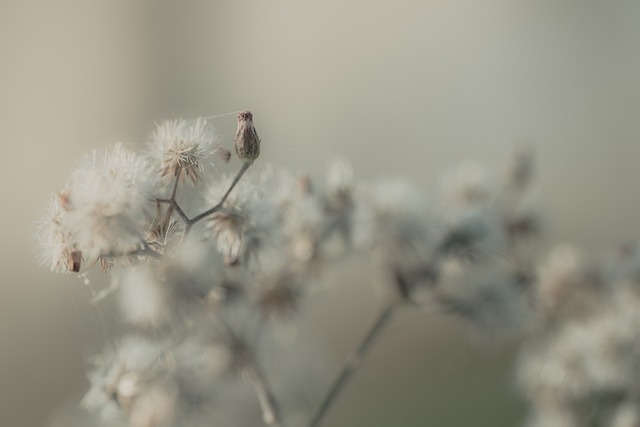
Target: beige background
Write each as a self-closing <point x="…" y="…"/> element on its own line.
<point x="400" y="87"/>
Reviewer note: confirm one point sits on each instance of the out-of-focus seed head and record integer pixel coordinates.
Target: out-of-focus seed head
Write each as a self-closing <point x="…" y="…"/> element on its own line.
<point x="466" y="186"/>
<point x="59" y="250"/>
<point x="568" y="286"/>
<point x="228" y="228"/>
<point x="279" y="297"/>
<point x="520" y="171"/>
<point x="246" y="140"/>
<point x="105" y="204"/>
<point x="143" y="299"/>
<point x="474" y="236"/>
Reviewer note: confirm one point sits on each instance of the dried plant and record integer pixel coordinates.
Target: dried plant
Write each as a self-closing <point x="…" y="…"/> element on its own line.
<point x="209" y="269"/>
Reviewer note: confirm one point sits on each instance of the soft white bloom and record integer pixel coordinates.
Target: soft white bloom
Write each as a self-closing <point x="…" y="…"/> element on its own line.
<point x="392" y="221"/>
<point x="466" y="185"/>
<point x="485" y="295"/>
<point x="626" y="415"/>
<point x="591" y="356"/>
<point x="120" y="375"/>
<point x="108" y="199"/>
<point x="247" y="222"/>
<point x="143" y="299"/>
<point x="202" y="364"/>
<point x="587" y="358"/>
<point x="340" y="183"/>
<point x="181" y="147"/>
<point x="155" y="407"/>
<point x="58" y="249"/>
<point x="304" y="223"/>
<point x="476" y="234"/>
<point x="390" y="212"/>
<point x="568" y="285"/>
<point x="340" y="200"/>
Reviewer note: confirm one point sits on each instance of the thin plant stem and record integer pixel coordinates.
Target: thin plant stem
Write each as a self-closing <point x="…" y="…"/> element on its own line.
<point x="218" y="206"/>
<point x="268" y="405"/>
<point x="241" y="172"/>
<point x="355" y="359"/>
<point x="252" y="373"/>
<point x="175" y="185"/>
<point x="173" y="204"/>
<point x="351" y="366"/>
<point x="180" y="212"/>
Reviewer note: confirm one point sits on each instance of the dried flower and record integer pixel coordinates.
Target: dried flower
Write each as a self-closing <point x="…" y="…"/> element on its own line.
<point x="59" y="251"/>
<point x="100" y="212"/>
<point x="249" y="216"/>
<point x="181" y="147"/>
<point x="246" y="140"/>
<point x="208" y="293"/>
<point x="475" y="235"/>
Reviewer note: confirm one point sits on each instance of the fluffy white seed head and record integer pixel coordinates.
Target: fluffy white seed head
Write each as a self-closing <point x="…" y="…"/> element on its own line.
<point x="466" y="185"/>
<point x="181" y="147"/>
<point x="340" y="182"/>
<point x="107" y="205"/>
<point x="58" y="248"/>
<point x="251" y="214"/>
<point x="475" y="234"/>
<point x="568" y="287"/>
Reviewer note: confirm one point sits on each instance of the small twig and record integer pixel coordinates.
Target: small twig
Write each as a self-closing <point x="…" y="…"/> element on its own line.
<point x="428" y="273"/>
<point x="268" y="405"/>
<point x="189" y="222"/>
<point x="180" y="212"/>
<point x="351" y="366"/>
<point x="251" y="371"/>
<point x="218" y="206"/>
<point x="175" y="185"/>
<point x="173" y="204"/>
<point x="197" y="218"/>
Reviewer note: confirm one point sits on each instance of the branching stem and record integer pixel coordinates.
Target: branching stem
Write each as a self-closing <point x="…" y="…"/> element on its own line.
<point x="189" y="222"/>
<point x="351" y="366"/>
<point x="252" y="373"/>
<point x="268" y="405"/>
<point x="218" y="206"/>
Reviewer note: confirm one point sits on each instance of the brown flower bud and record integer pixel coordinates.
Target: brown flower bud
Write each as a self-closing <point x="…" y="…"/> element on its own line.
<point x="74" y="261"/>
<point x="246" y="140"/>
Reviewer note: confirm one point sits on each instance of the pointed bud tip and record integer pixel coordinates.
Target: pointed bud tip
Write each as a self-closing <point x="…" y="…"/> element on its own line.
<point x="244" y="116"/>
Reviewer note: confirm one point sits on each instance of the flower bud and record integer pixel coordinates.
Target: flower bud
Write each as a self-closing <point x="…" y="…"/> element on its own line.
<point x="246" y="140"/>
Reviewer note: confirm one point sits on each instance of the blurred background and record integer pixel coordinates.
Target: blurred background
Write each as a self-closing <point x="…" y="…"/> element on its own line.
<point x="410" y="88"/>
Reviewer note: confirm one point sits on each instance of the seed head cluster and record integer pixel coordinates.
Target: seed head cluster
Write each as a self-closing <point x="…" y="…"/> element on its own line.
<point x="212" y="278"/>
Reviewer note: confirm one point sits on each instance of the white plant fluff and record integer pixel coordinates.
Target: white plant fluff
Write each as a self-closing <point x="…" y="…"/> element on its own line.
<point x="211" y="275"/>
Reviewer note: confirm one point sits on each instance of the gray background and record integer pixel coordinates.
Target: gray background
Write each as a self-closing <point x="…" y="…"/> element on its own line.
<point x="407" y="88"/>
